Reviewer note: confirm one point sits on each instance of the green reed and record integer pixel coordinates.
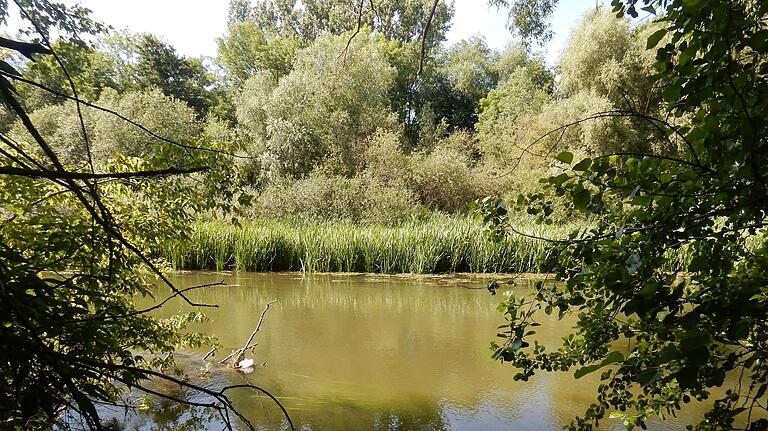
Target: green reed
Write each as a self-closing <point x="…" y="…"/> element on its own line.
<point x="438" y="245"/>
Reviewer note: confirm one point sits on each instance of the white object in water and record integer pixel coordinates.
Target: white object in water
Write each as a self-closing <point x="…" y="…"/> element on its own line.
<point x="245" y="363"/>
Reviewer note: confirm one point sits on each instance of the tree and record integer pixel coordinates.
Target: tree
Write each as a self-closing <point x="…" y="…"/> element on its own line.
<point x="606" y="56"/>
<point x="90" y="70"/>
<point x="111" y="137"/>
<point x="323" y="111"/>
<point x="506" y="111"/>
<point x="528" y="17"/>
<point x="239" y="11"/>
<point x="399" y="20"/>
<point x="466" y="74"/>
<point x="247" y="50"/>
<point x="159" y="66"/>
<point x="76" y="245"/>
<point x="670" y="285"/>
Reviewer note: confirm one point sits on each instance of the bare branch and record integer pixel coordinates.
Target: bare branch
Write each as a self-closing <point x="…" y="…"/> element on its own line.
<point x="238" y="354"/>
<point x="60" y="175"/>
<point x="24" y="48"/>
<point x="424" y="38"/>
<point x="357" y="31"/>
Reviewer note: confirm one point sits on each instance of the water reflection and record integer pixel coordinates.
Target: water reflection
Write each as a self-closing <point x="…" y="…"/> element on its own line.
<point x="381" y="353"/>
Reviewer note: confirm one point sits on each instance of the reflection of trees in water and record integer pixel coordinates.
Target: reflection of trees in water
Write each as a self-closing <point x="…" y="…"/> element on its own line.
<point x="158" y="414"/>
<point x="437" y="295"/>
<point x="417" y="420"/>
<point x="419" y="415"/>
<point x="167" y="415"/>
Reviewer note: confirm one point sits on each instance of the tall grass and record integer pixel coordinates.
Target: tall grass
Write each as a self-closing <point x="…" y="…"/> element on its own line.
<point x="439" y="245"/>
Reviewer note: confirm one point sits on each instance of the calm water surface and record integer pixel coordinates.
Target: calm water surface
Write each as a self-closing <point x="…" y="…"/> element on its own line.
<point x="348" y="352"/>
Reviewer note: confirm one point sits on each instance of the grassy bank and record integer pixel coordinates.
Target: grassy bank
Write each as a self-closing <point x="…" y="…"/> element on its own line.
<point x="439" y="245"/>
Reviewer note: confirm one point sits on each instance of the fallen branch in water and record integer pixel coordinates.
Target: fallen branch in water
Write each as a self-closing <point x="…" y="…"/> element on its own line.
<point x="235" y="352"/>
<point x="209" y="354"/>
<point x="239" y="354"/>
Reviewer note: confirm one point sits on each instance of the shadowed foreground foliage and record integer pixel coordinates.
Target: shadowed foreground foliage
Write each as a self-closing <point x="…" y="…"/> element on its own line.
<point x="661" y="337"/>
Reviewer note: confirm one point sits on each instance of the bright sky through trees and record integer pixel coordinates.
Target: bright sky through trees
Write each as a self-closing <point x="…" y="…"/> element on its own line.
<point x="192" y="26"/>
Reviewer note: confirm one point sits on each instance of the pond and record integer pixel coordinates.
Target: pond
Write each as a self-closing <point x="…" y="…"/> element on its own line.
<point x="387" y="353"/>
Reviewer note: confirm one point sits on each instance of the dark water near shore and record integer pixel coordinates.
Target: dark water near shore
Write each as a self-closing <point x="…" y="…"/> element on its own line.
<point x="347" y="352"/>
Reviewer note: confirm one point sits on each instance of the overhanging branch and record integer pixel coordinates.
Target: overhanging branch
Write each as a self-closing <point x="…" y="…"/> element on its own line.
<point x="69" y="175"/>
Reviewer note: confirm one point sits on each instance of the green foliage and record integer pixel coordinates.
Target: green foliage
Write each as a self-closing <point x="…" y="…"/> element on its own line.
<point x="443" y="178"/>
<point x="158" y="66"/>
<point x="468" y="68"/>
<point x="516" y="55"/>
<point x="78" y="237"/>
<point x="682" y="331"/>
<point x="431" y="131"/>
<point x="605" y="56"/>
<point x="91" y="72"/>
<point x="239" y="11"/>
<point x="398" y="20"/>
<point x="329" y="198"/>
<point x="246" y="50"/>
<point x="67" y="294"/>
<point x="599" y="136"/>
<point x="505" y="113"/>
<point x="385" y="160"/>
<point x="70" y="21"/>
<point x="111" y="137"/>
<point x="528" y="18"/>
<point x="332" y="101"/>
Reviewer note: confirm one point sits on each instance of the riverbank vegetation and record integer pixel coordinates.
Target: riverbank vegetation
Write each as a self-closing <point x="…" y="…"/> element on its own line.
<point x="323" y="118"/>
<point x="321" y="121"/>
<point x="345" y="135"/>
<point x="439" y="245"/>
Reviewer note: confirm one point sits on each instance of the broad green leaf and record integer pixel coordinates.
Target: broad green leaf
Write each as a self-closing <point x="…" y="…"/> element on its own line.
<point x="583" y="165"/>
<point x="655" y="38"/>
<point x="565" y="157"/>
<point x="698" y="263"/>
<point x="612" y="358"/>
<point x="581" y="199"/>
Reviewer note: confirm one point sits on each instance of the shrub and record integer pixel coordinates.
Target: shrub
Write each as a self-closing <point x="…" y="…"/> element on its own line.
<point x="110" y="136"/>
<point x="444" y="181"/>
<point x="336" y="198"/>
<point x="385" y="161"/>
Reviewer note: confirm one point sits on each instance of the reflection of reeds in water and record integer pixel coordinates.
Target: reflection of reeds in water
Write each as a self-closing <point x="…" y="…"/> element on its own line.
<point x="440" y="245"/>
<point x="355" y="293"/>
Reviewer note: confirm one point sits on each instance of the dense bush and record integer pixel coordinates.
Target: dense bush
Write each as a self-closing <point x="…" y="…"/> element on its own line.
<point x="444" y="181"/>
<point x="323" y="197"/>
<point x="385" y="160"/>
<point x="110" y="136"/>
<point x="333" y="100"/>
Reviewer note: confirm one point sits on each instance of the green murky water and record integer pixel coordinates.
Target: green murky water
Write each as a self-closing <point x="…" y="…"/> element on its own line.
<point x="387" y="353"/>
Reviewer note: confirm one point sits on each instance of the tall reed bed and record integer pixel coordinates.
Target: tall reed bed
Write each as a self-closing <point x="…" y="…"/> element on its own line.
<point x="439" y="245"/>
